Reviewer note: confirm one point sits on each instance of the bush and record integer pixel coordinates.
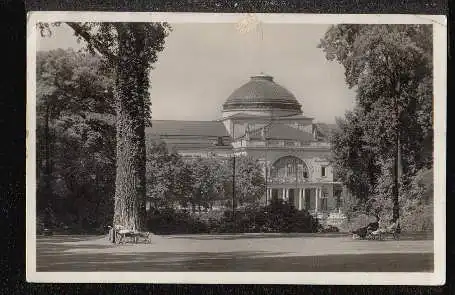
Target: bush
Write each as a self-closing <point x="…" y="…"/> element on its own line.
<point x="170" y="221"/>
<point x="276" y="217"/>
<point x="418" y="219"/>
<point x="417" y="203"/>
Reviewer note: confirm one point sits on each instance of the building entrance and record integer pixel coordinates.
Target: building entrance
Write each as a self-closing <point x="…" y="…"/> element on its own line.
<point x="274" y="194"/>
<point x="292" y="198"/>
<point x="308" y="198"/>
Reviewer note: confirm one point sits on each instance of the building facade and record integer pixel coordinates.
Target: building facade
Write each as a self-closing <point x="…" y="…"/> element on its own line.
<point x="263" y="120"/>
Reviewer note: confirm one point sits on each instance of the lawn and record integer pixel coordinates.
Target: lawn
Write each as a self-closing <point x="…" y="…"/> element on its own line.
<point x="248" y="252"/>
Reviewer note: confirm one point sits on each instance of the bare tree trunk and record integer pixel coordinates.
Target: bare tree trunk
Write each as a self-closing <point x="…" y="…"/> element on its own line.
<point x="131" y="92"/>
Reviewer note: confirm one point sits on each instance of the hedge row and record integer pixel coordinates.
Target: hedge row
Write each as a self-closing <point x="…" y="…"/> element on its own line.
<point x="276" y="217"/>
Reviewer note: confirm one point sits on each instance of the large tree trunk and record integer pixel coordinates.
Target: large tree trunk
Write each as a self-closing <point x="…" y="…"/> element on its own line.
<point x="130" y="96"/>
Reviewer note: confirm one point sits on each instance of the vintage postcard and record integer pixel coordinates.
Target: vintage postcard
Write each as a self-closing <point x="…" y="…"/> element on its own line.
<point x="236" y="148"/>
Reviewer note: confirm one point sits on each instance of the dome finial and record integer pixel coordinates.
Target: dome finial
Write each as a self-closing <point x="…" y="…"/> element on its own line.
<point x="263" y="76"/>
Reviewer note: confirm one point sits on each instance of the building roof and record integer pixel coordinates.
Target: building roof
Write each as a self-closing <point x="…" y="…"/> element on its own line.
<point x="183" y="135"/>
<point x="283" y="132"/>
<point x="325" y="130"/>
<point x="188" y="128"/>
<point x="262" y="92"/>
<point x="274" y="118"/>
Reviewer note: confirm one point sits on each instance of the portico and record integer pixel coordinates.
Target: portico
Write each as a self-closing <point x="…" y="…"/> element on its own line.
<point x="311" y="197"/>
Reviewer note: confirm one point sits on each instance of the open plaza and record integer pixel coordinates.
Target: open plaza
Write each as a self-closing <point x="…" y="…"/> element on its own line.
<point x="241" y="252"/>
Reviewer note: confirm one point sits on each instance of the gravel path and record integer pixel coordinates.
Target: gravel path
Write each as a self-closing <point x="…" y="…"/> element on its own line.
<point x="235" y="253"/>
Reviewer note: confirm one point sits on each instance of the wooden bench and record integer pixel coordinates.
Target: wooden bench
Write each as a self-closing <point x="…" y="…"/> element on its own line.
<point x="120" y="234"/>
<point x="382" y="233"/>
<point x="126" y="233"/>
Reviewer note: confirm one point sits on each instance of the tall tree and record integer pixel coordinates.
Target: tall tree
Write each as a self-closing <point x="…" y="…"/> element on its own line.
<point x="353" y="159"/>
<point x="76" y="139"/>
<point x="391" y="68"/>
<point x="130" y="49"/>
<point x="209" y="177"/>
<point x="169" y="178"/>
<point x="250" y="182"/>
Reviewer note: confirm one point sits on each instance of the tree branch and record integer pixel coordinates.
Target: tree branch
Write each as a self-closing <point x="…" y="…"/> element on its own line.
<point x="101" y="48"/>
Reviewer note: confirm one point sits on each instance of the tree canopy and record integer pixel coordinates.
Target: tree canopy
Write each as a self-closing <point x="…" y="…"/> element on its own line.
<point x="75" y="140"/>
<point x="129" y="50"/>
<point x="390" y="67"/>
<point x="169" y="180"/>
<point x="201" y="182"/>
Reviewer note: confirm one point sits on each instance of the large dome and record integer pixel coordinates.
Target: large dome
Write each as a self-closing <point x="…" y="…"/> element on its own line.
<point x="261" y="92"/>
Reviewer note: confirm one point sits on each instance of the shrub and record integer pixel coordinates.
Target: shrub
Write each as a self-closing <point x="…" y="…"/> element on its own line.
<point x="418" y="219"/>
<point x="276" y="217"/>
<point x="416" y="205"/>
<point x="170" y="221"/>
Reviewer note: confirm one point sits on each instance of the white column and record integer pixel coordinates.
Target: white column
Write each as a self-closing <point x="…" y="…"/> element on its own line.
<point x="300" y="199"/>
<point x="284" y="194"/>
<point x="317" y="200"/>
<point x="303" y="198"/>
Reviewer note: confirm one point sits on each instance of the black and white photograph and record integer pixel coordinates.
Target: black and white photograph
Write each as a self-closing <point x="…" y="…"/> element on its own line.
<point x="236" y="148"/>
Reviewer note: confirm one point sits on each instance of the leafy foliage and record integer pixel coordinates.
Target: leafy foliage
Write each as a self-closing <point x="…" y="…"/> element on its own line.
<point x="250" y="182"/>
<point x="417" y="200"/>
<point x="169" y="179"/>
<point x="209" y="182"/>
<point x="75" y="140"/>
<point x="354" y="161"/>
<point x="199" y="183"/>
<point x="276" y="217"/>
<point x="129" y="49"/>
<point x="390" y="66"/>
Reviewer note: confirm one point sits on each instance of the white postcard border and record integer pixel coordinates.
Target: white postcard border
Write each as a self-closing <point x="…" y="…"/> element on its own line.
<point x="351" y="278"/>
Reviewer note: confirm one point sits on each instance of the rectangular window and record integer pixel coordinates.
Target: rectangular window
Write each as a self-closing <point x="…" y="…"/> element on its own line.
<point x="323" y="171"/>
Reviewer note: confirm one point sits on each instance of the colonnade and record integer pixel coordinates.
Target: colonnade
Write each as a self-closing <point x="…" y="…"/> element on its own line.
<point x="300" y="198"/>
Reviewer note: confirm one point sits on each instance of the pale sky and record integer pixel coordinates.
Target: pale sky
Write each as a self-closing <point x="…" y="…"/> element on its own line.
<point x="202" y="64"/>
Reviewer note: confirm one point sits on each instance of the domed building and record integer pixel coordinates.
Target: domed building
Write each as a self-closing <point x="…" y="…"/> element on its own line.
<point x="264" y="120"/>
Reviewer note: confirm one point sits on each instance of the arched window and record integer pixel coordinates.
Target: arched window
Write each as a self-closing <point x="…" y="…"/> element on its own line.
<point x="289" y="169"/>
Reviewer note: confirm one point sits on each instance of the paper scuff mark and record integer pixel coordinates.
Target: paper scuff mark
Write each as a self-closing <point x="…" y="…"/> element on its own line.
<point x="247" y="24"/>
